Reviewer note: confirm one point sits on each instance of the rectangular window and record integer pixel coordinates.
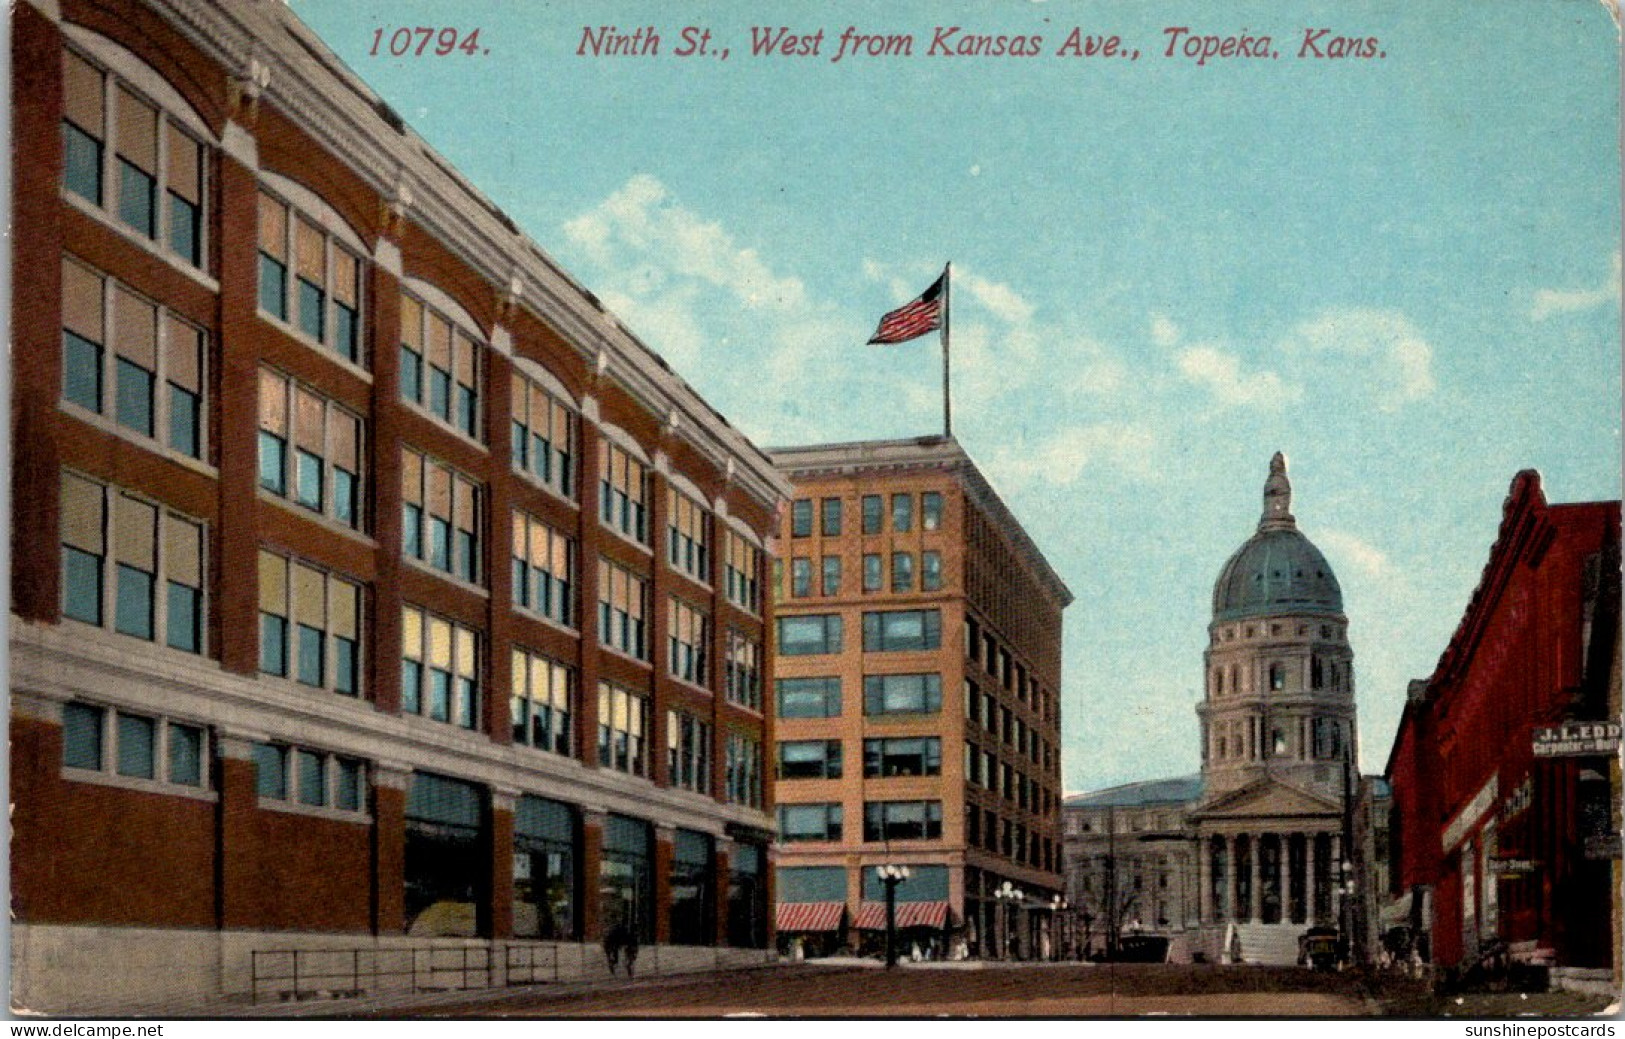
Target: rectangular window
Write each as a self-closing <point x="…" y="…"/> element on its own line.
<point x="902" y="820"/>
<point x="310" y="625"/>
<point x="930" y="571"/>
<point x="902" y="571"/>
<point x="801" y="518"/>
<point x="135" y="746"/>
<point x="543" y="570"/>
<point x="800" y="577"/>
<point x="623" y="487"/>
<point x="902" y="513"/>
<point x="810" y="822"/>
<point x="543" y="703"/>
<point x="447" y="503"/>
<point x="831" y="584"/>
<point x="623" y="730"/>
<point x="688" y="642"/>
<point x="90" y="97"/>
<point x="315" y="778"/>
<point x="544" y="436"/>
<point x="688" y="752"/>
<point x="902" y="756"/>
<point x="688" y="537"/>
<point x="809" y="759"/>
<point x="310" y="449"/>
<point x="742" y="573"/>
<point x="623" y="606"/>
<point x="323" y="298"/>
<point x="440" y="672"/>
<point x="743" y="684"/>
<point x="809" y="697"/>
<point x="931" y="510"/>
<point x="742" y="770"/>
<point x="902" y="630"/>
<point x="448" y="388"/>
<point x="874" y="513"/>
<point x="809" y="635"/>
<point x="830" y="517"/>
<point x="114" y="542"/>
<point x="873" y="572"/>
<point x="154" y="366"/>
<point x="902" y="694"/>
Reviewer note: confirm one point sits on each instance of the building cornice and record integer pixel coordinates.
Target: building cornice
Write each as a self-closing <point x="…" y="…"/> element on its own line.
<point x="313" y="88"/>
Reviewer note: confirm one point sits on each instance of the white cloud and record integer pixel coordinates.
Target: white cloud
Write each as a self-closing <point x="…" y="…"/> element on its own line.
<point x="1001" y="300"/>
<point x="1062" y="457"/>
<point x="1163" y="331"/>
<point x="1367" y="559"/>
<point x="1562" y="301"/>
<point x="1220" y="373"/>
<point x="641" y="218"/>
<point x="1401" y="361"/>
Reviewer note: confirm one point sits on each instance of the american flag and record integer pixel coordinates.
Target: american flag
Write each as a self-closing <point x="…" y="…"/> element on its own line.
<point x="913" y="319"/>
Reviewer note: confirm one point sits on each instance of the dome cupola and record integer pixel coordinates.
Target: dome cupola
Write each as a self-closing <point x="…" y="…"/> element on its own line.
<point x="1277" y="570"/>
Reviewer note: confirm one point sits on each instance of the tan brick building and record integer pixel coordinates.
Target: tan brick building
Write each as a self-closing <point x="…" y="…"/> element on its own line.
<point x="918" y="713"/>
<point x="373" y="589"/>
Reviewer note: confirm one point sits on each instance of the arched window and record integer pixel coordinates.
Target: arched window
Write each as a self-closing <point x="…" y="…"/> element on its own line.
<point x="1278" y="740"/>
<point x="1316" y="676"/>
<point x="1277" y="677"/>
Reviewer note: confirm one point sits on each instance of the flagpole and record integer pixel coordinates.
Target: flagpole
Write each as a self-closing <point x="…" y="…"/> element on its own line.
<point x="947" y="393"/>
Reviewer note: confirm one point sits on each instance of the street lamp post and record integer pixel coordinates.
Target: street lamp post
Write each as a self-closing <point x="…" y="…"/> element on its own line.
<point x="891" y="876"/>
<point x="1010" y="896"/>
<point x="1057" y="907"/>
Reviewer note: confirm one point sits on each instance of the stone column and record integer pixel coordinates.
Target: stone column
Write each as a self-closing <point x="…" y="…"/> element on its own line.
<point x="592" y="858"/>
<point x="1255" y="869"/>
<point x="1337" y="879"/>
<point x="1232" y="879"/>
<point x="499" y="907"/>
<point x="1286" y="877"/>
<point x="1204" y="873"/>
<point x="1309" y="879"/>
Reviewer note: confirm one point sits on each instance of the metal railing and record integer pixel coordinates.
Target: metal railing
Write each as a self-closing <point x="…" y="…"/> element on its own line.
<point x="296" y="974"/>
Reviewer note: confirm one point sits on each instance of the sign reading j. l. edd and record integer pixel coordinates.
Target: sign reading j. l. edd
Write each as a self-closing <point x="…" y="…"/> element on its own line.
<point x="1572" y="739"/>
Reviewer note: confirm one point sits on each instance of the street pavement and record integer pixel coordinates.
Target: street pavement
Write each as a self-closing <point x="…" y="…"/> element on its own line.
<point x="919" y="990"/>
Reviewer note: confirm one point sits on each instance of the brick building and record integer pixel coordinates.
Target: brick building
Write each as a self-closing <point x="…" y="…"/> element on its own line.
<point x="1503" y="840"/>
<point x="918" y="715"/>
<point x="372" y="587"/>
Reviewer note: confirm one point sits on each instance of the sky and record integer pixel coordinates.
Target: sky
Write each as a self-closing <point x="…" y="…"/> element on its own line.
<point x="1402" y="271"/>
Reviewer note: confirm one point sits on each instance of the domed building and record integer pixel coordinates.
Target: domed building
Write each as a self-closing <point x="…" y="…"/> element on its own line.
<point x="1252" y="856"/>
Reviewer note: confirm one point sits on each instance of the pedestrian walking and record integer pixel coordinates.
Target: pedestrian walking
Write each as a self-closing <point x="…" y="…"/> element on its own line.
<point x="614" y="941"/>
<point x="631" y="947"/>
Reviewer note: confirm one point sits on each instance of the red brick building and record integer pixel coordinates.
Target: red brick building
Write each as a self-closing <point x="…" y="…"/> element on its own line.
<point x="1495" y="841"/>
<point x="372" y="587"/>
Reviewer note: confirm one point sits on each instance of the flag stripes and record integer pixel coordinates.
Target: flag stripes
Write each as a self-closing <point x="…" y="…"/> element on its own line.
<point x="912" y="319"/>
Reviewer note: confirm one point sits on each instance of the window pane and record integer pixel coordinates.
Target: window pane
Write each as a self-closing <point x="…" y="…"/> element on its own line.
<point x="344" y="497"/>
<point x="185" y="755"/>
<point x="311" y="663"/>
<point x="271" y="765"/>
<point x="309" y="480"/>
<point x="134" y="390"/>
<point x="411" y="686"/>
<point x="183" y="421"/>
<point x="273" y="644"/>
<point x="82" y="580"/>
<point x="134" y="612"/>
<point x="183" y="229"/>
<point x="273" y="463"/>
<point x="411" y="374"/>
<point x="81" y="371"/>
<point x="135" y="201"/>
<point x="345" y="332"/>
<point x="312" y="310"/>
<point x="344" y="666"/>
<point x="136" y="738"/>
<point x="82" y="736"/>
<point x="82" y="161"/>
<point x="183" y="621"/>
<point x="348" y="795"/>
<point x="440" y="392"/>
<point x="312" y="778"/>
<point x="273" y="287"/>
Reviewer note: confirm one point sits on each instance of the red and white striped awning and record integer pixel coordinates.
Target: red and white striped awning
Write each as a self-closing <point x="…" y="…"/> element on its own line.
<point x="872" y="915"/>
<point x="809" y="916"/>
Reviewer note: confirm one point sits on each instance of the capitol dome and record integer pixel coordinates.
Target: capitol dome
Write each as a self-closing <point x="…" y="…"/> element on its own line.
<point x="1277" y="570"/>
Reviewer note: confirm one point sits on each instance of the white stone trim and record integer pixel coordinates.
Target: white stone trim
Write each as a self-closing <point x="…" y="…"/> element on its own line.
<point x="240" y="143"/>
<point x="616" y="435"/>
<point x="539" y="374"/>
<point x="314" y="208"/>
<point x="438" y="299"/>
<point x="387" y="255"/>
<point x="143" y="77"/>
<point x="741" y="528"/>
<point x="688" y="488"/>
